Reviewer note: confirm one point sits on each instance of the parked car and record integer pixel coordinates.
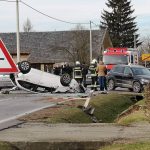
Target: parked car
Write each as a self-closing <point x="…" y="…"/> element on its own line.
<point x="133" y="77"/>
<point x="5" y="82"/>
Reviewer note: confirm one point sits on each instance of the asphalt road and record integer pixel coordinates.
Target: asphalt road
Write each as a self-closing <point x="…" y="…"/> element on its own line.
<point x="17" y="104"/>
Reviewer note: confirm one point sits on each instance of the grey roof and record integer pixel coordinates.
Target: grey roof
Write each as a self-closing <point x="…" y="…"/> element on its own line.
<point x="47" y="47"/>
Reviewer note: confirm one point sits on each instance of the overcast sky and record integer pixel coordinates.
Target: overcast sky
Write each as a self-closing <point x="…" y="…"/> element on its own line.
<point x="77" y="11"/>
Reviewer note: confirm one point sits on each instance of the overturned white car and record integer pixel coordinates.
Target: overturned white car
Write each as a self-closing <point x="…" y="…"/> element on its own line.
<point x="34" y="80"/>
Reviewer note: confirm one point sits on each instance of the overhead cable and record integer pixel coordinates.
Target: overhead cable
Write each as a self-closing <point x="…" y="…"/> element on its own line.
<point x="95" y="24"/>
<point x="7" y="1"/>
<point x="48" y="15"/>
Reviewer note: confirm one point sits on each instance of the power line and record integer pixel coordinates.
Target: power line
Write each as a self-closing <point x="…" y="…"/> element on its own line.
<point x="7" y="1"/>
<point x="95" y="24"/>
<point x="48" y="15"/>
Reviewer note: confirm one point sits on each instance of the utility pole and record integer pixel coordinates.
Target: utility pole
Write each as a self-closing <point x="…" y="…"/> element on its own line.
<point x="134" y="41"/>
<point x="17" y="34"/>
<point x="90" y="41"/>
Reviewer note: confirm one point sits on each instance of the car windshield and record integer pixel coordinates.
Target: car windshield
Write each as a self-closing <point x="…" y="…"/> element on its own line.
<point x="120" y="59"/>
<point x="140" y="71"/>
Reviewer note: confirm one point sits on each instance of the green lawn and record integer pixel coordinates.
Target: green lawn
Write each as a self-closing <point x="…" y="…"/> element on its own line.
<point x="7" y="146"/>
<point x="107" y="108"/>
<point x="134" y="146"/>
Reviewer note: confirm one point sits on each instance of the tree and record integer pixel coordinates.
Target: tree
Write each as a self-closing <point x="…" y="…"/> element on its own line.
<point x="120" y="23"/>
<point x="145" y="46"/>
<point x="80" y="44"/>
<point x="27" y="26"/>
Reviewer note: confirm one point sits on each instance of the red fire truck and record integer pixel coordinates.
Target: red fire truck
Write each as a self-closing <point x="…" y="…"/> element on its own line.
<point x="115" y="56"/>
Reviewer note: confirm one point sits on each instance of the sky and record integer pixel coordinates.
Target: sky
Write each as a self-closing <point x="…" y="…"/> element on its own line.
<point x="78" y="11"/>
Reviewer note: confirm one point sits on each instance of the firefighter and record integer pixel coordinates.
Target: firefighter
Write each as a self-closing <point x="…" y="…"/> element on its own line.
<point x="77" y="73"/>
<point x="92" y="68"/>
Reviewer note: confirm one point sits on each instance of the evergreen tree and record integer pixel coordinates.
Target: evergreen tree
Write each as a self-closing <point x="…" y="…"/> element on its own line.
<point x="121" y="25"/>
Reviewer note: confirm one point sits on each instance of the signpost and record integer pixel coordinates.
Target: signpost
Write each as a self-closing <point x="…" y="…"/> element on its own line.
<point x="7" y="64"/>
<point x="145" y="57"/>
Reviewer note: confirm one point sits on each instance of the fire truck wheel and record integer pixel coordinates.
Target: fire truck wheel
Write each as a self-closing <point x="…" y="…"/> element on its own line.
<point x="111" y="84"/>
<point x="137" y="87"/>
<point x="24" y="67"/>
<point x="65" y="79"/>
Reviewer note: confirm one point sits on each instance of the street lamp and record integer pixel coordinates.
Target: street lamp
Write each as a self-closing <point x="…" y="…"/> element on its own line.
<point x="17" y="33"/>
<point x="90" y="41"/>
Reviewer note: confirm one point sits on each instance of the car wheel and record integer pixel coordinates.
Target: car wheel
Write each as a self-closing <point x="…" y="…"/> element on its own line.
<point x="24" y="67"/>
<point x="111" y="84"/>
<point x="65" y="79"/>
<point x="137" y="87"/>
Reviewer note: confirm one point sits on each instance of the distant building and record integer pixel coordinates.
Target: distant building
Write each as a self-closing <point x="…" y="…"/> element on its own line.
<point x="43" y="49"/>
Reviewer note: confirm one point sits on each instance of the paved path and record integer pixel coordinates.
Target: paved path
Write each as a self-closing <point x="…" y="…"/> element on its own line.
<point x="36" y="132"/>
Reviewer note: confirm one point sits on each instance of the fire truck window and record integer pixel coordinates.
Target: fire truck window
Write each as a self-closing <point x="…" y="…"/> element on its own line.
<point x="111" y="60"/>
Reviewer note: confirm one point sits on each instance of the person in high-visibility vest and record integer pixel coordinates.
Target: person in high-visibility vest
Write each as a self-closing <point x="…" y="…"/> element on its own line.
<point x="77" y="71"/>
<point x="92" y="69"/>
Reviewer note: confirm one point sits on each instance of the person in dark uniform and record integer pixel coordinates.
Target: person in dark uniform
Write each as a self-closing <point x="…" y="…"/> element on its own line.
<point x="84" y="73"/>
<point x="92" y="68"/>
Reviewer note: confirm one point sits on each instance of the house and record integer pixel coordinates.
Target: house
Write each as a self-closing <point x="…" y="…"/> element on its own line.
<point x="43" y="49"/>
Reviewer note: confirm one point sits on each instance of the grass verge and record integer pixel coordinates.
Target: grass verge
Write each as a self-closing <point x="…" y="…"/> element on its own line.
<point x="107" y="107"/>
<point x="7" y="146"/>
<point x="134" y="146"/>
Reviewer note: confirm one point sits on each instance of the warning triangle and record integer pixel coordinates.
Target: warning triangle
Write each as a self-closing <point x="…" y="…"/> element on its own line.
<point x="7" y="64"/>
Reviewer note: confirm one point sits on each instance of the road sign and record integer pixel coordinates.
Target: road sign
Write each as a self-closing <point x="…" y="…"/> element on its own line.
<point x="145" y="57"/>
<point x="7" y="64"/>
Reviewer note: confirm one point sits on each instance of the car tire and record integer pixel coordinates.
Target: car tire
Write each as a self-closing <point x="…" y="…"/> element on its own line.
<point x="24" y="67"/>
<point x="65" y="79"/>
<point x="136" y="87"/>
<point x="111" y="84"/>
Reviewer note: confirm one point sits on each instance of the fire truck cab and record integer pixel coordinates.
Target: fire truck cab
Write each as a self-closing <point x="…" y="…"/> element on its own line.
<point x="115" y="56"/>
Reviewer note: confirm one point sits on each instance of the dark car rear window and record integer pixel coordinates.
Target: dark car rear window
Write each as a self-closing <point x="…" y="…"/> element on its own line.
<point x="118" y="69"/>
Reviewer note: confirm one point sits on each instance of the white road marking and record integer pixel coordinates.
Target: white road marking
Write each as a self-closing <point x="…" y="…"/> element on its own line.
<point x="7" y="99"/>
<point x="26" y="113"/>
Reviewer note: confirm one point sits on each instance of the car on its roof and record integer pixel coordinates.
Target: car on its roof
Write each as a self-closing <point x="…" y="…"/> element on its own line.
<point x="133" y="77"/>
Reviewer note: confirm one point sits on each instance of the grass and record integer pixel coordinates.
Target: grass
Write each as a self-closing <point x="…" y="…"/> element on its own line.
<point x="134" y="146"/>
<point x="137" y="116"/>
<point x="107" y="107"/>
<point x="7" y="146"/>
<point x="69" y="115"/>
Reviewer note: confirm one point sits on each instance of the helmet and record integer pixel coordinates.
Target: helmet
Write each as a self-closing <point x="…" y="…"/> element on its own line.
<point x="94" y="61"/>
<point x="77" y="63"/>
